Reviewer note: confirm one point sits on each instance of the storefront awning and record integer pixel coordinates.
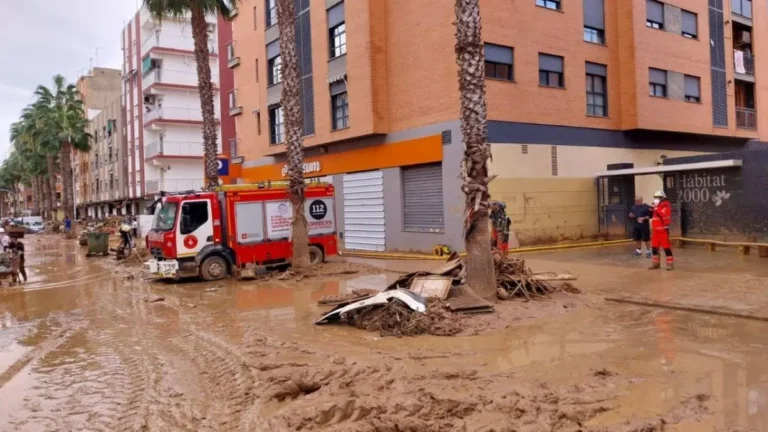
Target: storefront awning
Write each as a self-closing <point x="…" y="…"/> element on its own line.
<point x="730" y="163"/>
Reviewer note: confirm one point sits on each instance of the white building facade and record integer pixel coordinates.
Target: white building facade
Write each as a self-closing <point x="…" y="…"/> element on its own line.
<point x="162" y="106"/>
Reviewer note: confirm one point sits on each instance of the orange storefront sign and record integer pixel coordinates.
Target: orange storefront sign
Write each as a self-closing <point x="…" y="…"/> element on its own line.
<point x="411" y="152"/>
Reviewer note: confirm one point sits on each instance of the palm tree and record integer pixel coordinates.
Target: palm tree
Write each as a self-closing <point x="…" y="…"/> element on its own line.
<point x="198" y="9"/>
<point x="481" y="275"/>
<point x="26" y="138"/>
<point x="62" y="112"/>
<point x="291" y="105"/>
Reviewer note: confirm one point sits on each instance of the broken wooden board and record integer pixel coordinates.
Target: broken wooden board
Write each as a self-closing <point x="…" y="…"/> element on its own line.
<point x="433" y="286"/>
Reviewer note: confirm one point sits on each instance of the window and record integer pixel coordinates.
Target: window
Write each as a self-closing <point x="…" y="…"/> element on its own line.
<point x="255" y="20"/>
<point x="339" y="105"/>
<point x="594" y="21"/>
<point x="551" y="71"/>
<point x="337" y="33"/>
<point x="690" y="25"/>
<point x="657" y="85"/>
<point x="338" y="38"/>
<point x="594" y="35"/>
<point x="423" y="209"/>
<point x="274" y="63"/>
<point x="193" y="215"/>
<point x="276" y="125"/>
<point x="692" y="89"/>
<point x="597" y="90"/>
<point x="230" y="51"/>
<point x="275" y="71"/>
<point x="499" y="62"/>
<point x="232" y="101"/>
<point x="654" y="14"/>
<point x="549" y="4"/>
<point x="256" y="69"/>
<point x="258" y="123"/>
<point x="271" y="12"/>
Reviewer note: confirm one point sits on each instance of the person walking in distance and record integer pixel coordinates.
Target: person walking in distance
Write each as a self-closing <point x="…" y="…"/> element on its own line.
<point x="640" y="214"/>
<point x="662" y="217"/>
<point x="135" y="228"/>
<point x="18" y="248"/>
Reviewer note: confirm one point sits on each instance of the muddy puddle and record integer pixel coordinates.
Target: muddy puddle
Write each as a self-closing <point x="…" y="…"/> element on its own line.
<point x="81" y="349"/>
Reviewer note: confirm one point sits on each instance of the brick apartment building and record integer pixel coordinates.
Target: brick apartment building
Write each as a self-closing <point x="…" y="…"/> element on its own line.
<point x="572" y="87"/>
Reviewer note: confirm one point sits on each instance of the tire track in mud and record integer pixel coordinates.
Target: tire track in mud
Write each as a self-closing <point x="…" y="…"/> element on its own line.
<point x="226" y="378"/>
<point x="47" y="345"/>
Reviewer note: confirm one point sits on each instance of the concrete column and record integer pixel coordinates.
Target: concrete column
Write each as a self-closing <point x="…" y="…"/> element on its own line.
<point x="675" y="85"/>
<point x="673" y="19"/>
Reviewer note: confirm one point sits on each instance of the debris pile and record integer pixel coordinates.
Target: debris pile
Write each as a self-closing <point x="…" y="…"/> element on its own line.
<point x="6" y="262"/>
<point x="397" y="319"/>
<point x="515" y="279"/>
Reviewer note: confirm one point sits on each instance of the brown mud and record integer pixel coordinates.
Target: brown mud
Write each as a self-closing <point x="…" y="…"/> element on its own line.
<point x="82" y="349"/>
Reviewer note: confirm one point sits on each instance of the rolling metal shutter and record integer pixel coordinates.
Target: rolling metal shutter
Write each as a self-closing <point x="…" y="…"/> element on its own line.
<point x="364" y="211"/>
<point x="423" y="198"/>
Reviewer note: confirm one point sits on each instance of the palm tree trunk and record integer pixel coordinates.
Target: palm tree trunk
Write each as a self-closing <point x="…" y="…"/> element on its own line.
<point x="293" y="129"/>
<point x="205" y="87"/>
<point x="65" y="165"/>
<point x="481" y="275"/>
<point x="49" y="160"/>
<point x="35" y="196"/>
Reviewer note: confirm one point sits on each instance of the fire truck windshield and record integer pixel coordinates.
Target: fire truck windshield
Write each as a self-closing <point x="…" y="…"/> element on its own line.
<point x="165" y="215"/>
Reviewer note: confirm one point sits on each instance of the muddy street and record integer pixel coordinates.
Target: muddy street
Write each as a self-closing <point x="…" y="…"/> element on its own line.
<point x="82" y="348"/>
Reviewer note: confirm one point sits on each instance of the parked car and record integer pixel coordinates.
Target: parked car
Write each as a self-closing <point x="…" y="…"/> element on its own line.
<point x="35" y="227"/>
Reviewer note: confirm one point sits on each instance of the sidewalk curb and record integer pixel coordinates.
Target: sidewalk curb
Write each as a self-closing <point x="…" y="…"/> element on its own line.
<point x="686" y="308"/>
<point x="416" y="256"/>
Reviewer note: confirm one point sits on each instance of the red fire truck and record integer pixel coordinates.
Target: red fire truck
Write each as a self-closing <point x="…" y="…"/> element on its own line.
<point x="235" y="230"/>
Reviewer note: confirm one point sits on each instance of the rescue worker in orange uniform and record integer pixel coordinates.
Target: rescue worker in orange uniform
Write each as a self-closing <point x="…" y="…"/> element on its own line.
<point x="662" y="217"/>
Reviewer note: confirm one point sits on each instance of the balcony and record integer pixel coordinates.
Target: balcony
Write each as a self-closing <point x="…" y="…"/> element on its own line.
<point x="173" y="115"/>
<point x="174" y="43"/>
<point x="175" y="79"/>
<point x="743" y="63"/>
<point x="173" y="185"/>
<point x="742" y="9"/>
<point x="232" y="59"/>
<point x="173" y="149"/>
<point x="746" y="118"/>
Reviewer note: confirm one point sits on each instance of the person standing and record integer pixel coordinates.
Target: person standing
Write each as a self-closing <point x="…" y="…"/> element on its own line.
<point x="135" y="228"/>
<point x="641" y="230"/>
<point x="500" y="226"/>
<point x="17" y="247"/>
<point x="662" y="218"/>
<point x="67" y="225"/>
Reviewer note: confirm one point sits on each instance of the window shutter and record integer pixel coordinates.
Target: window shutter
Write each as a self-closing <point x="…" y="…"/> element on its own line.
<point x="654" y="11"/>
<point x="498" y="54"/>
<point x="336" y="15"/>
<point x="594" y="14"/>
<point x="423" y="198"/>
<point x="338" y="87"/>
<point x="658" y="76"/>
<point x="550" y="63"/>
<point x="689" y="23"/>
<point x="273" y="49"/>
<point x="692" y="86"/>
<point x="596" y="69"/>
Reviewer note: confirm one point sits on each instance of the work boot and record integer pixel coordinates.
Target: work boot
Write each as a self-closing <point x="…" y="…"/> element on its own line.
<point x="670" y="267"/>
<point x="654" y="266"/>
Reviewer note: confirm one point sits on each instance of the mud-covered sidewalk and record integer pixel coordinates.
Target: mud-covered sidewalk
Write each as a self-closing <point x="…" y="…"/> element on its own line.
<point x="83" y="348"/>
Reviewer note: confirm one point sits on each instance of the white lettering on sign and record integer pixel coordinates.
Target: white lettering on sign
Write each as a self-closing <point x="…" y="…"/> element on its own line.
<point x="696" y="188"/>
<point x="308" y="167"/>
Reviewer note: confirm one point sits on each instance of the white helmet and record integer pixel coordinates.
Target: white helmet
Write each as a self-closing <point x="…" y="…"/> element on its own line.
<point x="659" y="194"/>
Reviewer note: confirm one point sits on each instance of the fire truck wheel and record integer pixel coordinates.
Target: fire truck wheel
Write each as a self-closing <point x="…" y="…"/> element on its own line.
<point x="315" y="255"/>
<point x="213" y="268"/>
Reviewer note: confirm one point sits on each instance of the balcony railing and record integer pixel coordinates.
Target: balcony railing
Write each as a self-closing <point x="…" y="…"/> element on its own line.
<point x="173" y="185"/>
<point x="173" y="148"/>
<point x="233" y="147"/>
<point x="746" y="118"/>
<point x="175" y="77"/>
<point x="173" y="113"/>
<point x="176" y="42"/>
<point x="743" y="62"/>
<point x="742" y="7"/>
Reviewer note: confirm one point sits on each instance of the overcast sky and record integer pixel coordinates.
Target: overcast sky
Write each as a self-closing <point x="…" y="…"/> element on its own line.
<point x="40" y="38"/>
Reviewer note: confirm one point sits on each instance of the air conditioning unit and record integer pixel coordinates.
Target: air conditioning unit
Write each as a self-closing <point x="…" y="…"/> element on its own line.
<point x="149" y="99"/>
<point x="744" y="37"/>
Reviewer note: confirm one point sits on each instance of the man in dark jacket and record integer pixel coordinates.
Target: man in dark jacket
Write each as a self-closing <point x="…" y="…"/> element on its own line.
<point x="640" y="214"/>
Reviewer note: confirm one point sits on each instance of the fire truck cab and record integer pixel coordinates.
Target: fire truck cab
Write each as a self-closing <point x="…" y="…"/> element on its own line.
<point x="235" y="230"/>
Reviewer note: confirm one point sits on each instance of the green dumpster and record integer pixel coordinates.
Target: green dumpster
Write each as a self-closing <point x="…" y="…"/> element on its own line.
<point x="98" y="243"/>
